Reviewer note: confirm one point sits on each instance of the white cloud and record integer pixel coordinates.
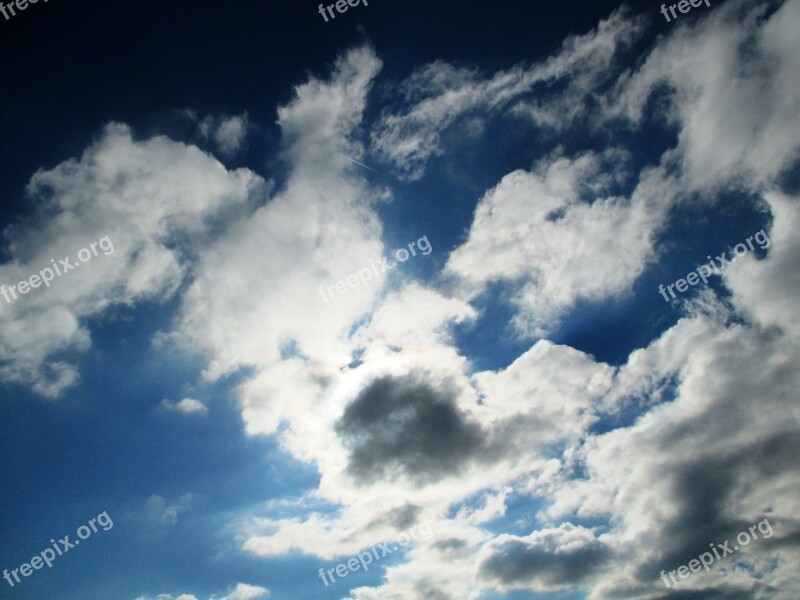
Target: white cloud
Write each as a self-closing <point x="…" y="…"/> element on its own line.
<point x="734" y="93"/>
<point x="154" y="199"/>
<point x="257" y="287"/>
<point x="187" y="406"/>
<point x="547" y="231"/>
<point x="551" y="245"/>
<point x="168" y="597"/>
<point x="711" y="445"/>
<point x="713" y="438"/>
<point x="440" y="94"/>
<point x="229" y="133"/>
<point x="767" y="290"/>
<point x="242" y="591"/>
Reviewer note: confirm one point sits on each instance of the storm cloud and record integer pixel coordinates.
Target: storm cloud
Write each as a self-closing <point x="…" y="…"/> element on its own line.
<point x="407" y="426"/>
<point x="547" y="559"/>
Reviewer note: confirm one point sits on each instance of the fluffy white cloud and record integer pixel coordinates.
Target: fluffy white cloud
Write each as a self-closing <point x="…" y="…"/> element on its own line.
<point x="153" y="199"/>
<point x="767" y="290"/>
<point x="689" y="441"/>
<point x="734" y="93"/>
<point x="551" y="244"/>
<point x="714" y="431"/>
<point x="257" y="287"/>
<point x="370" y="427"/>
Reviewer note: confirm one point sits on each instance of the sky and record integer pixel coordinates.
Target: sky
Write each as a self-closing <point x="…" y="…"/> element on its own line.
<point x="447" y="300"/>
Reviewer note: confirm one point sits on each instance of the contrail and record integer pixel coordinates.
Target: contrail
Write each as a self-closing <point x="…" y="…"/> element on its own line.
<point x="361" y="164"/>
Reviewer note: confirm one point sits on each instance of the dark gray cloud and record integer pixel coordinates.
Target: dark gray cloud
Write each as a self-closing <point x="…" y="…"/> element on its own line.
<point x="406" y="426"/>
<point x="708" y="594"/>
<point x="401" y="518"/>
<point x="517" y="562"/>
<point x="405" y="516"/>
<point x="702" y="490"/>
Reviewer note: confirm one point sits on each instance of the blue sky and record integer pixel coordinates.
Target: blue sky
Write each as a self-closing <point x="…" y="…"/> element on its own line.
<point x="516" y="399"/>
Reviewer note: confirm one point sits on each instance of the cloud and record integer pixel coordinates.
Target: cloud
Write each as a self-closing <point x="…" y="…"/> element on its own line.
<point x="257" y="287"/>
<point x="242" y="591"/>
<point x="721" y="72"/>
<point x="707" y="465"/>
<point x="438" y="95"/>
<point x="689" y="441"/>
<point x="550" y="559"/>
<point x="187" y="406"/>
<point x="154" y="199"/>
<point x="547" y="233"/>
<point x="407" y="426"/>
<point x="157" y="510"/>
<point x="168" y="597"/>
<point x="229" y="133"/>
<point x="764" y="289"/>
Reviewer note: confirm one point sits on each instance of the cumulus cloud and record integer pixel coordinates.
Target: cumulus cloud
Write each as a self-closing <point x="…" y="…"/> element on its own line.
<point x="154" y="199"/>
<point x="765" y="290"/>
<point x="187" y="406"/>
<point x="407" y="426"/>
<point x="689" y="441"/>
<point x="548" y="233"/>
<point x="732" y="93"/>
<point x="709" y="428"/>
<point x="549" y="559"/>
<point x="265" y="272"/>
<point x="702" y="467"/>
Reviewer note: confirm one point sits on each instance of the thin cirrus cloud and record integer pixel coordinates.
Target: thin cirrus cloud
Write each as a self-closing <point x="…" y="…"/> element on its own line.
<point x="439" y="95"/>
